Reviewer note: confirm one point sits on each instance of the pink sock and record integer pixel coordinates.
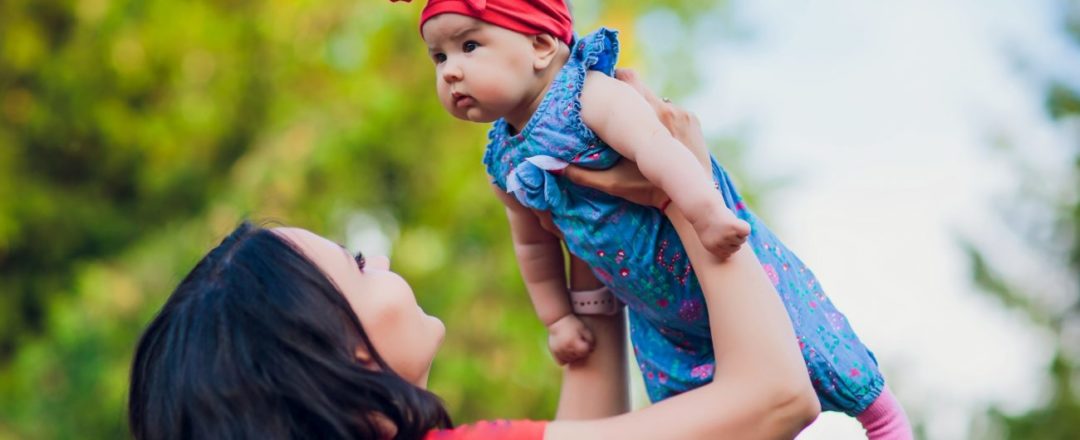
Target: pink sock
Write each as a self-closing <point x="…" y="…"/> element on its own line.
<point x="885" y="419"/>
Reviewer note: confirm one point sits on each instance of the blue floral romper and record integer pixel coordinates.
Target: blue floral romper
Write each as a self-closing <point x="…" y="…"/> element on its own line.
<point x="635" y="251"/>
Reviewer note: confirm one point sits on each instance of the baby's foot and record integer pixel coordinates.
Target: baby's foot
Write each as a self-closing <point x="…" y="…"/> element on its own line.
<point x="569" y="339"/>
<point x="722" y="233"/>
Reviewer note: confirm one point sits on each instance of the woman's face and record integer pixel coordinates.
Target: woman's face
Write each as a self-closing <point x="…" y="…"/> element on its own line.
<point x="405" y="336"/>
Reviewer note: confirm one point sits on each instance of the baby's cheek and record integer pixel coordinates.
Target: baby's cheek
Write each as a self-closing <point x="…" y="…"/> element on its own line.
<point x="494" y="90"/>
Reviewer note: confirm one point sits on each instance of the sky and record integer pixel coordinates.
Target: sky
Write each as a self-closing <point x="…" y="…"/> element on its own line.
<point x="883" y="115"/>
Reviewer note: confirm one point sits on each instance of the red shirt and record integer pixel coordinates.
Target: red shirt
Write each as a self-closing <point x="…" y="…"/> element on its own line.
<point x="492" y="430"/>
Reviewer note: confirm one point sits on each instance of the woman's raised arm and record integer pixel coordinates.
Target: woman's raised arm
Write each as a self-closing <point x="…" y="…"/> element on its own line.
<point x="597" y="386"/>
<point x="760" y="387"/>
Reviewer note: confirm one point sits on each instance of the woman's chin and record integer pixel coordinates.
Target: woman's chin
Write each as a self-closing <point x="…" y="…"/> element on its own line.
<point x="422" y="382"/>
<point x="440" y="333"/>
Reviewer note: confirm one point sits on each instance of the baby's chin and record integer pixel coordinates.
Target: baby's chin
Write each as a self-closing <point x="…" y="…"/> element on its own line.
<point x="476" y="115"/>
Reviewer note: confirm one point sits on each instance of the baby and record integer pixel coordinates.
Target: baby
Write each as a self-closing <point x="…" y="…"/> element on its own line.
<point x="554" y="101"/>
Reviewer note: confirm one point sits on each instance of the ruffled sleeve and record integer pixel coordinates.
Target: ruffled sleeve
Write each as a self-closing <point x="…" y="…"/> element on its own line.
<point x="599" y="51"/>
<point x="533" y="183"/>
<point x="493" y="430"/>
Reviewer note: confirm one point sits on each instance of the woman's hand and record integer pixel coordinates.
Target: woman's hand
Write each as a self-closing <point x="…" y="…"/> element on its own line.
<point x="624" y="179"/>
<point x="683" y="125"/>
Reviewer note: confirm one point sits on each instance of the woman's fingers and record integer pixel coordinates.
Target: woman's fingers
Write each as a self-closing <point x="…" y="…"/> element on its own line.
<point x="631" y="78"/>
<point x="683" y="125"/>
<point x="623" y="180"/>
<point x="670" y="115"/>
<point x="595" y="179"/>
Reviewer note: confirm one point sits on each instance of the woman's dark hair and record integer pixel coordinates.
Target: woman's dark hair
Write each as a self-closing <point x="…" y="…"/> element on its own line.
<point x="258" y="343"/>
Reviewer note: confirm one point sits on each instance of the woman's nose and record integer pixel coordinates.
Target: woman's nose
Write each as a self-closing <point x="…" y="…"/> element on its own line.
<point x="381" y="262"/>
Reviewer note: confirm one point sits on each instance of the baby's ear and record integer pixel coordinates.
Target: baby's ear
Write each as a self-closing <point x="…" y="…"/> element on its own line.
<point x="545" y="49"/>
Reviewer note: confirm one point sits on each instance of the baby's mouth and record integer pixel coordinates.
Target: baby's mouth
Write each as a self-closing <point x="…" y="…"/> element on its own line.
<point x="462" y="100"/>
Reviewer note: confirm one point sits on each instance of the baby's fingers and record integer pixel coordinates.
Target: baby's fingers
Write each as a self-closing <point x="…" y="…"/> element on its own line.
<point x="587" y="336"/>
<point x="579" y="350"/>
<point x="573" y="352"/>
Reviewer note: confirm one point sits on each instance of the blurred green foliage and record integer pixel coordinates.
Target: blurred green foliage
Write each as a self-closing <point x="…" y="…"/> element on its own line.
<point x="134" y="134"/>
<point x="1053" y="231"/>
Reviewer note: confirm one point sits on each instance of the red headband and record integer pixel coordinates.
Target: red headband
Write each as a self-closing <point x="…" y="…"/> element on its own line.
<point x="530" y="17"/>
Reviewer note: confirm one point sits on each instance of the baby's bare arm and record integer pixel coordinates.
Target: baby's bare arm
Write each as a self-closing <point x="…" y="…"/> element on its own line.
<point x="540" y="259"/>
<point x="635" y="132"/>
<point x="623" y="119"/>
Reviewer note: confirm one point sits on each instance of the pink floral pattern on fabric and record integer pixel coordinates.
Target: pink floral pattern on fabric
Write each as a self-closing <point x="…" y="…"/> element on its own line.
<point x="771" y="273"/>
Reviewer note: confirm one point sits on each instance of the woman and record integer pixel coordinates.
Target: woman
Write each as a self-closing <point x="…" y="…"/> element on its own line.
<point x="280" y="333"/>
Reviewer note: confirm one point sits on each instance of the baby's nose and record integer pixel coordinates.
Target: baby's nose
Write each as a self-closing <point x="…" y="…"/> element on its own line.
<point x="451" y="73"/>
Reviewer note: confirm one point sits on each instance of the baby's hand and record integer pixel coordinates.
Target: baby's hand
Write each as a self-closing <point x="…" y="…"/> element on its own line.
<point x="569" y="339"/>
<point x="722" y="233"/>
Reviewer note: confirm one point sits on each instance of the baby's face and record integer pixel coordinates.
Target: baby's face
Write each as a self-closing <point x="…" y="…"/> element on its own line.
<point x="482" y="72"/>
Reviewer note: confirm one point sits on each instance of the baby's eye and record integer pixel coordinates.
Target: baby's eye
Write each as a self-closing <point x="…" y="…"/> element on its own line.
<point x="469" y="46"/>
<point x="439" y="58"/>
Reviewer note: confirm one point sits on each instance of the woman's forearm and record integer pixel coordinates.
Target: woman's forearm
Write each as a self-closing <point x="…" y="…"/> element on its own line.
<point x="760" y="387"/>
<point x="752" y="333"/>
<point x="596" y="386"/>
<point x="728" y="408"/>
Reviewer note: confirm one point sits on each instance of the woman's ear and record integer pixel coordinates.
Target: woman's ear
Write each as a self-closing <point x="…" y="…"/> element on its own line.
<point x="363" y="356"/>
<point x="545" y="49"/>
